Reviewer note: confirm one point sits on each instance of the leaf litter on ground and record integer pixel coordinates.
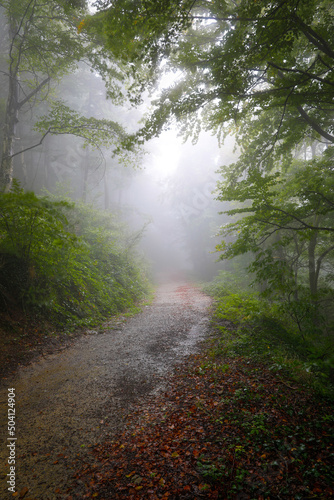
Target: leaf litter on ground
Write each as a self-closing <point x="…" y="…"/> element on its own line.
<point x="224" y="428"/>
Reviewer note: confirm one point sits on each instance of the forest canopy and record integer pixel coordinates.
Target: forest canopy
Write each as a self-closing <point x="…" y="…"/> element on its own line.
<point x="263" y="71"/>
<point x="236" y="58"/>
<point x="41" y="47"/>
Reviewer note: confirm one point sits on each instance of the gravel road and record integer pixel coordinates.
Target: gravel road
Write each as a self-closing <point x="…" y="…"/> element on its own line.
<point x="72" y="399"/>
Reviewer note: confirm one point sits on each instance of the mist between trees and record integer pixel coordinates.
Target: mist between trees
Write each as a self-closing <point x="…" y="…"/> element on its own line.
<point x="96" y="194"/>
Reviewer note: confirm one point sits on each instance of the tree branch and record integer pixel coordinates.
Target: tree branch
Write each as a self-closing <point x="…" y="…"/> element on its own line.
<point x="322" y="196"/>
<point x="233" y="19"/>
<point x="310" y="76"/>
<point x="313" y="37"/>
<point x="292" y="216"/>
<point x="34" y="92"/>
<point x="315" y="125"/>
<point x="34" y="146"/>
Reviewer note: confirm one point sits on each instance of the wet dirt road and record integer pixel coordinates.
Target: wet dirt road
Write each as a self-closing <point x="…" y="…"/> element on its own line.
<point x="71" y="400"/>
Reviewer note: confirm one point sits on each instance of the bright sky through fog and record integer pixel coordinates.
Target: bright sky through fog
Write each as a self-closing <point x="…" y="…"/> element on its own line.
<point x="165" y="152"/>
<point x="166" y="148"/>
<point x="90" y="6"/>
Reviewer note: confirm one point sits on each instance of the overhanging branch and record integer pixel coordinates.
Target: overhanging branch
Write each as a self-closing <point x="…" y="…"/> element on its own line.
<point x="34" y="92"/>
<point x="315" y="125"/>
<point x="314" y="37"/>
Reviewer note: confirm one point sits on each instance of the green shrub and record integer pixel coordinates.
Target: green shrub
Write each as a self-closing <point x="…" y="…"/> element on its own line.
<point x="256" y="328"/>
<point x="68" y="261"/>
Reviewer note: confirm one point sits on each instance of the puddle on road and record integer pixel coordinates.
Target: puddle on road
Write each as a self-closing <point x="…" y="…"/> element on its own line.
<point x="197" y="333"/>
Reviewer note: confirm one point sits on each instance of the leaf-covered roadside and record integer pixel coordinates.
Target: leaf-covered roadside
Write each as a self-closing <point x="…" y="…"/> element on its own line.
<point x="225" y="428"/>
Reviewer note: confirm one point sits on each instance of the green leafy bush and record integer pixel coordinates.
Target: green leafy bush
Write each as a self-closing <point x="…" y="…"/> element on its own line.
<point x="254" y="327"/>
<point x="69" y="261"/>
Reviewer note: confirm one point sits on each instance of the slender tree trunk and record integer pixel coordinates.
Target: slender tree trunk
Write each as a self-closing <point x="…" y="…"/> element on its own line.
<point x="314" y="268"/>
<point x="313" y="281"/>
<point x="16" y="37"/>
<point x="11" y="116"/>
<point x="295" y="264"/>
<point x="20" y="166"/>
<point x="86" y="163"/>
<point x="85" y="177"/>
<point x="106" y="192"/>
<point x="11" y="119"/>
<point x="312" y="263"/>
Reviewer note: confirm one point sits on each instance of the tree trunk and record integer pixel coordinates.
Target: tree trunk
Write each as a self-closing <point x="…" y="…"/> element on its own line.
<point x="313" y="278"/>
<point x="106" y="192"/>
<point x="11" y="117"/>
<point x="85" y="175"/>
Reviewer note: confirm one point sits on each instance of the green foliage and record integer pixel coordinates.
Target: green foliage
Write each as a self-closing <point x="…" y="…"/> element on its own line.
<point x="210" y="471"/>
<point x="225" y="283"/>
<point x="236" y="59"/>
<point x="62" y="120"/>
<point x="65" y="260"/>
<point x="141" y="32"/>
<point x="243" y="307"/>
<point x="285" y="219"/>
<point x="258" y="329"/>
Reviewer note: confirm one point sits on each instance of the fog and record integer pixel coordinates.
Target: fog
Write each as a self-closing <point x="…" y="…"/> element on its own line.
<point x="164" y="191"/>
<point x="174" y="195"/>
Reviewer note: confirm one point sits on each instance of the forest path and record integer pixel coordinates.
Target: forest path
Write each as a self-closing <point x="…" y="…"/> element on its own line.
<point x="71" y="400"/>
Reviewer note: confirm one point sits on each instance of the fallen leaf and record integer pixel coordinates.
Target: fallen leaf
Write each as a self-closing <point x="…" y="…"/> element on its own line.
<point x="23" y="492"/>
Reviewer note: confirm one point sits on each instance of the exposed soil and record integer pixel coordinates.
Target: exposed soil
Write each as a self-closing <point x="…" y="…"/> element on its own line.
<point x="24" y="338"/>
<point x="69" y="400"/>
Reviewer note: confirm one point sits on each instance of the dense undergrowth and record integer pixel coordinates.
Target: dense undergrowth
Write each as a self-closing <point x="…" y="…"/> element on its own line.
<point x="269" y="331"/>
<point x="65" y="261"/>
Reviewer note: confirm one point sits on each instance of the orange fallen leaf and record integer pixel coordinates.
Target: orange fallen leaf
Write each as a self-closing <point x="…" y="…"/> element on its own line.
<point x="23" y="492"/>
